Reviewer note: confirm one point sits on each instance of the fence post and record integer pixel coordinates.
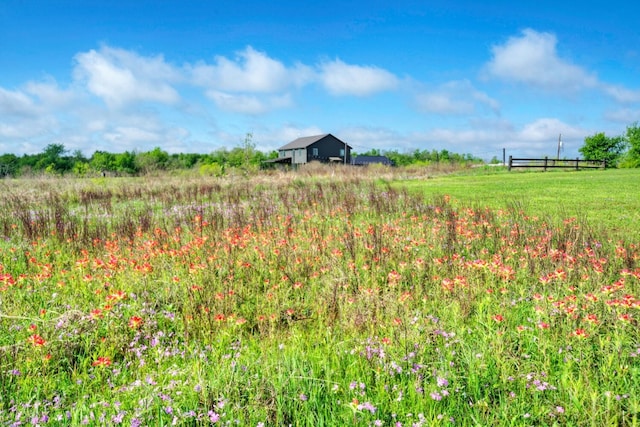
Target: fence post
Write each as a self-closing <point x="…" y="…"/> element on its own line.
<point x="546" y="159"/>
<point x="604" y="164"/>
<point x="577" y="162"/>
<point x="510" y="163"/>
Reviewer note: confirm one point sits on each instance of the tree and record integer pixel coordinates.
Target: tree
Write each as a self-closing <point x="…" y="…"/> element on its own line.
<point x="8" y="165"/>
<point x="126" y="162"/>
<point x="153" y="160"/>
<point x="632" y="158"/>
<point x="53" y="160"/>
<point x="102" y="161"/>
<point x="602" y="147"/>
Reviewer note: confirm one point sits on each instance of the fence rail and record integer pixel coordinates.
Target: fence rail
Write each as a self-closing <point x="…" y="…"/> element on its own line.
<point x="548" y="163"/>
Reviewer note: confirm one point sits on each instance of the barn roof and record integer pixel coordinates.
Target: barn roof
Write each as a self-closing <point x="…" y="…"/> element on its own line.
<point x="305" y="141"/>
<point x="368" y="160"/>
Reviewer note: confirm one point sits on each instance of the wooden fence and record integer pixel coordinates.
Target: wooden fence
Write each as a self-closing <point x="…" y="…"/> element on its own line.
<point x="548" y="163"/>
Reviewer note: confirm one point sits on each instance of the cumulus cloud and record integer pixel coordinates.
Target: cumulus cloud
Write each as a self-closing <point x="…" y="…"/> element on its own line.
<point x="456" y="98"/>
<point x="254" y="83"/>
<point x="547" y="129"/>
<point x="50" y="95"/>
<point x="248" y="104"/>
<point x="271" y="139"/>
<point x="487" y="138"/>
<point x="17" y="103"/>
<point x="122" y="77"/>
<point x="251" y="71"/>
<point x="29" y="128"/>
<point x="27" y="113"/>
<point x="621" y="94"/>
<point x="340" y="78"/>
<point x="623" y="115"/>
<point x="532" y="58"/>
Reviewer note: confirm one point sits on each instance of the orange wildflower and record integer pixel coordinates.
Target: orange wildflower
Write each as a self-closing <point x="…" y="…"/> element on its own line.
<point x="580" y="333"/>
<point x="135" y="322"/>
<point x="36" y="340"/>
<point x="96" y="313"/>
<point x="592" y="318"/>
<point x="625" y="317"/>
<point x="102" y="362"/>
<point x="117" y="296"/>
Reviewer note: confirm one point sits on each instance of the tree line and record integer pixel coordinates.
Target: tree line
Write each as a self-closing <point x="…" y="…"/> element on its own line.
<point x="55" y="159"/>
<point x="617" y="151"/>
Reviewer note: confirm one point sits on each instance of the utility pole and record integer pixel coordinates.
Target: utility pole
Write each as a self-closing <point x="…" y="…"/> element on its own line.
<point x="345" y="153"/>
<point x="559" y="146"/>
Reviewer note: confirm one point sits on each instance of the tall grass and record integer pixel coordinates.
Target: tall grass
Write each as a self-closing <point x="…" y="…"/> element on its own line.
<point x="307" y="299"/>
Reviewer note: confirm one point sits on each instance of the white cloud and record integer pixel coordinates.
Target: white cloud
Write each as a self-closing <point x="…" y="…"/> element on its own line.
<point x="248" y="104"/>
<point x="456" y="98"/>
<point x="251" y="71"/>
<point x="121" y="77"/>
<point x="624" y="115"/>
<point x="245" y="104"/>
<point x="547" y="129"/>
<point x="487" y="138"/>
<point x="621" y="94"/>
<point x="131" y="135"/>
<point x="290" y="132"/>
<point x="532" y="59"/>
<point x="51" y="95"/>
<point x="345" y="79"/>
<point x="17" y="103"/>
<point x="252" y="84"/>
<point x="23" y="116"/>
<point x="442" y="103"/>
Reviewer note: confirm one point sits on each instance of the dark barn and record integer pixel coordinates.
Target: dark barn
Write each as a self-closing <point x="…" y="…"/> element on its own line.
<point x="321" y="148"/>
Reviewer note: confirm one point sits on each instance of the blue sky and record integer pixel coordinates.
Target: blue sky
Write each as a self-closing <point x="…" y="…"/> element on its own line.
<point x="194" y="75"/>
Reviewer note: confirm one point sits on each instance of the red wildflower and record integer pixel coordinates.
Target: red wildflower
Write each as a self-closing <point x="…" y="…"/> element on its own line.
<point x="625" y="317"/>
<point x="592" y="318"/>
<point x="393" y="277"/>
<point x="102" y="362"/>
<point x="135" y="322"/>
<point x="498" y="318"/>
<point x="543" y="325"/>
<point x="96" y="313"/>
<point x="580" y="333"/>
<point x="117" y="296"/>
<point x="36" y="340"/>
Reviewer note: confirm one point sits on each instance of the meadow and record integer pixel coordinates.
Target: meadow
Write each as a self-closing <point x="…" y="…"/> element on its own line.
<point x="324" y="297"/>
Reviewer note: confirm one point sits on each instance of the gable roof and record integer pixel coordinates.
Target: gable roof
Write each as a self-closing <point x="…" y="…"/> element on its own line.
<point x="305" y="141"/>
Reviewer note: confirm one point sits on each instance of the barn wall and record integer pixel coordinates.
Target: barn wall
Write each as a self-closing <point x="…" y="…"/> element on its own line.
<point x="329" y="146"/>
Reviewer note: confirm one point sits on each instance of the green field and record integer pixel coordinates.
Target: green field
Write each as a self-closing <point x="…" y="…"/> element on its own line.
<point x="380" y="297"/>
<point x="608" y="200"/>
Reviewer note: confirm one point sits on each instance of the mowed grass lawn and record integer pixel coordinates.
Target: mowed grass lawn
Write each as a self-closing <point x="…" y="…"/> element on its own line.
<point x="608" y="201"/>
